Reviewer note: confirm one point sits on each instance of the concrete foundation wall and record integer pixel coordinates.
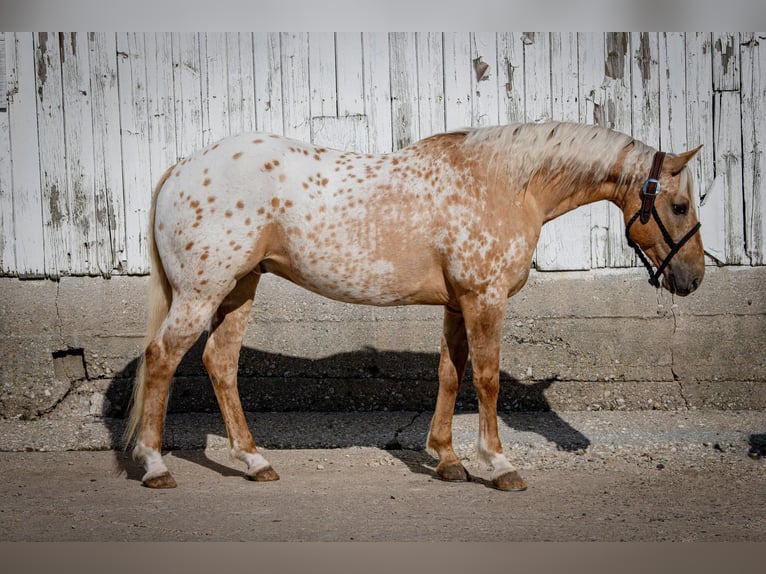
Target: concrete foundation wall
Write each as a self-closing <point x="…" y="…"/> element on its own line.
<point x="572" y="341"/>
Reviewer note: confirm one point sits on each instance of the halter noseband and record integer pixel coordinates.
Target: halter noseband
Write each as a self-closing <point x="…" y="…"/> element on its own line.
<point x="649" y="192"/>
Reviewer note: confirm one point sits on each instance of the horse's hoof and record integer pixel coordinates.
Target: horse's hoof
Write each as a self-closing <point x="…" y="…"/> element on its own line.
<point x="164" y="480"/>
<point x="510" y="481"/>
<point x="454" y="472"/>
<point x="264" y="475"/>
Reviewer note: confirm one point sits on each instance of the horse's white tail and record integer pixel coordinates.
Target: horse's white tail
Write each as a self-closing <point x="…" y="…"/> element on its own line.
<point x="160" y="297"/>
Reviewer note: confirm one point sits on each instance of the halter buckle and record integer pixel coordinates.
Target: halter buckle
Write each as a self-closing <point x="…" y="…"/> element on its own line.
<point x="649" y="192"/>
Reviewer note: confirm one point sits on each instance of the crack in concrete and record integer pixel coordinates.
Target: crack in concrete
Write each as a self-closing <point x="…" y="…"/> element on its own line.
<point x="394" y="443"/>
<point x="59" y="320"/>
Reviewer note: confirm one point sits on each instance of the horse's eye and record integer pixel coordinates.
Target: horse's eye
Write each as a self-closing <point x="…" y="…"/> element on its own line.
<point x="680" y="208"/>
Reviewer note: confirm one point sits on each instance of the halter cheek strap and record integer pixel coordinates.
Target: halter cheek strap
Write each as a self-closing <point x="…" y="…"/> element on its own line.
<point x="649" y="192"/>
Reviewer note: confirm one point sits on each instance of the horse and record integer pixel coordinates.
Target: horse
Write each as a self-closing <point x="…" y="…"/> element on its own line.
<point x="451" y="220"/>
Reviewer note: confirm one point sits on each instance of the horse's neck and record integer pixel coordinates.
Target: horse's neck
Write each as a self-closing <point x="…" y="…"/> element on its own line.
<point x="560" y="192"/>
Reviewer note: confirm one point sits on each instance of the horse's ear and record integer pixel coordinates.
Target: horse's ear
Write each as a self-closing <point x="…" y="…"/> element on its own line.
<point x="676" y="162"/>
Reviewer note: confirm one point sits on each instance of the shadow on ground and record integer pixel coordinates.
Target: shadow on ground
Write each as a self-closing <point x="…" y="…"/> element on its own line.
<point x="364" y="380"/>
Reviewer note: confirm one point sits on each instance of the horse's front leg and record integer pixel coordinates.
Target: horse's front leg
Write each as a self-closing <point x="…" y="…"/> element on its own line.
<point x="484" y="327"/>
<point x="454" y="356"/>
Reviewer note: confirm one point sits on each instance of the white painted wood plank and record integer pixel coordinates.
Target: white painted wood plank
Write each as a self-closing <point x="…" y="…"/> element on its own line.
<point x="565" y="242"/>
<point x="241" y="83"/>
<point x="322" y="74"/>
<point x="268" y="82"/>
<point x="672" y="59"/>
<point x="484" y="80"/>
<point x="50" y="125"/>
<point x="79" y="156"/>
<point x="537" y="76"/>
<point x="348" y="133"/>
<point x="7" y="229"/>
<point x="646" y="87"/>
<point x="726" y="76"/>
<point x="728" y="163"/>
<point x="160" y="104"/>
<point x="510" y="62"/>
<point x="349" y="66"/>
<point x="591" y="49"/>
<point x="430" y="53"/>
<point x="29" y="245"/>
<point x="377" y="91"/>
<point x="457" y="80"/>
<point x="617" y="114"/>
<point x="564" y="79"/>
<point x="699" y="105"/>
<point x="215" y="88"/>
<point x="753" y="66"/>
<point x="131" y="66"/>
<point x="404" y="86"/>
<point x="110" y="207"/>
<point x="187" y="90"/>
<point x="295" y="85"/>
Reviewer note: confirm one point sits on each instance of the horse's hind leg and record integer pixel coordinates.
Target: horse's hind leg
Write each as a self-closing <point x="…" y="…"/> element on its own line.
<point x="221" y="357"/>
<point x="183" y="325"/>
<point x="452" y="363"/>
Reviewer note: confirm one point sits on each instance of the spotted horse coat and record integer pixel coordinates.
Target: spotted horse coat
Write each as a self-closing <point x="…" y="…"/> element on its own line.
<point x="452" y="220"/>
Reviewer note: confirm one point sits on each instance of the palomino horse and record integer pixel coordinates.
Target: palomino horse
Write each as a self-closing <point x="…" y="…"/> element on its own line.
<point x="452" y="220"/>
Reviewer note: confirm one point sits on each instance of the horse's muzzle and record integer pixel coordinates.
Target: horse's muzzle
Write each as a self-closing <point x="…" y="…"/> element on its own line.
<point x="680" y="283"/>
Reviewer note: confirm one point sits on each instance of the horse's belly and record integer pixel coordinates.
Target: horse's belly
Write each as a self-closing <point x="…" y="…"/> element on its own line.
<point x="354" y="276"/>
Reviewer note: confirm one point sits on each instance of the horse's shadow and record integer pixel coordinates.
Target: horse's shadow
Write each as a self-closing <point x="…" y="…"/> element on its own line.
<point x="364" y="380"/>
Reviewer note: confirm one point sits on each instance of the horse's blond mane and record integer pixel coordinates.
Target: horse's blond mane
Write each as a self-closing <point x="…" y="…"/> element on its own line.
<point x="587" y="152"/>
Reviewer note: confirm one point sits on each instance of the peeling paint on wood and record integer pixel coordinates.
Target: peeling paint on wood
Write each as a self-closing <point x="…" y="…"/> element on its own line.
<point x="93" y="120"/>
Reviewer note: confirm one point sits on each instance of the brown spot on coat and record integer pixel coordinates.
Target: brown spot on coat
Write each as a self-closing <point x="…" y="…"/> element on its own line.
<point x="206" y="182"/>
<point x="211" y="199"/>
<point x="189" y="245"/>
<point x="257" y="141"/>
<point x="275" y="202"/>
<point x="268" y="167"/>
<point x="227" y="213"/>
<point x="237" y="155"/>
<point x="240" y="204"/>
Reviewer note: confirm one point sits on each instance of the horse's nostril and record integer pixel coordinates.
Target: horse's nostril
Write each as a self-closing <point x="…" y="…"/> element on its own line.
<point x="695" y="283"/>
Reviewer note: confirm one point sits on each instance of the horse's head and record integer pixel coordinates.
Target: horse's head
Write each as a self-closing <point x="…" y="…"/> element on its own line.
<point x="662" y="224"/>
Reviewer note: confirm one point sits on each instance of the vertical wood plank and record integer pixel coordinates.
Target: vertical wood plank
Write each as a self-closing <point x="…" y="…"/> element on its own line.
<point x="187" y="82"/>
<point x="404" y="86"/>
<point x="457" y="80"/>
<point x="7" y="229"/>
<point x="79" y="157"/>
<point x="591" y="51"/>
<point x="295" y="85"/>
<point x="239" y="50"/>
<point x="160" y="104"/>
<point x="50" y="125"/>
<point x="268" y="82"/>
<point x="645" y="114"/>
<point x="510" y="62"/>
<point x="484" y="80"/>
<point x="564" y="78"/>
<point x="322" y="74"/>
<point x="215" y="88"/>
<point x="726" y="76"/>
<point x="537" y="76"/>
<point x="109" y="197"/>
<point x="565" y="242"/>
<point x="699" y="105"/>
<point x="348" y="55"/>
<point x="377" y="91"/>
<point x="430" y="54"/>
<point x="617" y="115"/>
<point x="728" y="166"/>
<point x="29" y="244"/>
<point x="672" y="58"/>
<point x="753" y="66"/>
<point x="131" y="67"/>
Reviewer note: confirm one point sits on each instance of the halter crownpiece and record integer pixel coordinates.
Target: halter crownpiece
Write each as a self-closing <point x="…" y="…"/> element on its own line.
<point x="649" y="192"/>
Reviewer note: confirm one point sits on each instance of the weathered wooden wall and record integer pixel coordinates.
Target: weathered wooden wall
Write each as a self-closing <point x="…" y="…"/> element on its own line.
<point x="92" y="120"/>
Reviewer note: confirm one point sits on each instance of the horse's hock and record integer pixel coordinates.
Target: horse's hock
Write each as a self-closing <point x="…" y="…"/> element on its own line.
<point x="571" y="341"/>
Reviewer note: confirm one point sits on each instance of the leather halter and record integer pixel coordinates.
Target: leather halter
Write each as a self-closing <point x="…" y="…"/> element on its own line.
<point x="649" y="192"/>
